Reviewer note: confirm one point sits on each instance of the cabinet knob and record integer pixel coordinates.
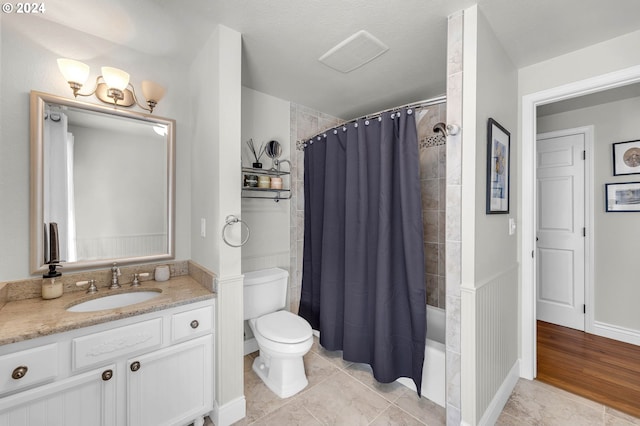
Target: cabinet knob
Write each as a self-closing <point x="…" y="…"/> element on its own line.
<point x="195" y="324"/>
<point x="107" y="375"/>
<point x="19" y="372"/>
<point x="135" y="366"/>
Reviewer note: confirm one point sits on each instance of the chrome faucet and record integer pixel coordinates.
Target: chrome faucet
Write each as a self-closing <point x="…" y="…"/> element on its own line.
<point x="115" y="273"/>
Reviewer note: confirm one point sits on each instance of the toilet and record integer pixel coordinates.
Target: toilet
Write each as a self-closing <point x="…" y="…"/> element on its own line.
<point x="283" y="338"/>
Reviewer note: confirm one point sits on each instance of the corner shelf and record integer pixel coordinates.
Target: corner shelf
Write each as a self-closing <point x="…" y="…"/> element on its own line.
<point x="265" y="193"/>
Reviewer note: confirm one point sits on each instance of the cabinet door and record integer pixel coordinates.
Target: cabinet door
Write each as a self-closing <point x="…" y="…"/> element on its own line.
<point x="85" y="399"/>
<point x="171" y="386"/>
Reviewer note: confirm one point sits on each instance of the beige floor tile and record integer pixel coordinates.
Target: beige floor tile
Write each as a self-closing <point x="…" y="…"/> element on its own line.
<point x="614" y="417"/>
<point x="508" y="420"/>
<point x="342" y="400"/>
<point x="317" y="369"/>
<point x="334" y="357"/>
<point x="291" y="414"/>
<point x="538" y="404"/>
<point x="393" y="416"/>
<point x="422" y="408"/>
<point x="259" y="398"/>
<point x="364" y="374"/>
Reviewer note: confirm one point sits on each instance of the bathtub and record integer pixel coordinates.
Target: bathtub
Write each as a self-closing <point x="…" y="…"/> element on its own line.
<point x="433" y="371"/>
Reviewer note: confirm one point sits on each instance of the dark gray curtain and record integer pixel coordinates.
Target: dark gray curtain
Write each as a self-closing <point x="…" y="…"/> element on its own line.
<point x="363" y="269"/>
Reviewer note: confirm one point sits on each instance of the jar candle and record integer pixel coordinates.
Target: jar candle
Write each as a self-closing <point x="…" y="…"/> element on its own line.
<point x="264" y="181"/>
<point x="276" y="183"/>
<point x="251" y="180"/>
<point x="162" y="273"/>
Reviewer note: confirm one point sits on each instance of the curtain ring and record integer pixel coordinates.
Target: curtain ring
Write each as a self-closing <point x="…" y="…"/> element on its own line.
<point x="230" y="220"/>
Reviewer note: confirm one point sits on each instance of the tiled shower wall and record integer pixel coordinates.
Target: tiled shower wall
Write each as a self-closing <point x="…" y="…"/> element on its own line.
<point x="305" y="123"/>
<point x="434" y="184"/>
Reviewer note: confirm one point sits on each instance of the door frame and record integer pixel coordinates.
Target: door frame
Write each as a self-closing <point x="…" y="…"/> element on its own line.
<point x="527" y="207"/>
<point x="589" y="216"/>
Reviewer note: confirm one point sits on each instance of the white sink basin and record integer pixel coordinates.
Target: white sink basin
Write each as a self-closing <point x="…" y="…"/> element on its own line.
<point x="114" y="301"/>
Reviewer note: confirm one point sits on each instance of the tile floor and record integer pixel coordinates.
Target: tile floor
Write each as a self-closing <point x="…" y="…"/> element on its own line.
<point x="343" y="393"/>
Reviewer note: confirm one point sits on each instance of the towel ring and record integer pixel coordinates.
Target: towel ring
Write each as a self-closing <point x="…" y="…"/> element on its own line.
<point x="230" y="220"/>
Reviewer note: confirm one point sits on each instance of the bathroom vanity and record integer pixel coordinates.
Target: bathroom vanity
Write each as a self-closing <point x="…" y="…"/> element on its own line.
<point x="151" y="363"/>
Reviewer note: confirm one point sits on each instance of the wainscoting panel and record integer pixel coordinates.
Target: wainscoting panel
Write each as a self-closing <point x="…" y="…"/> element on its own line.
<point x="121" y="246"/>
<point x="493" y="305"/>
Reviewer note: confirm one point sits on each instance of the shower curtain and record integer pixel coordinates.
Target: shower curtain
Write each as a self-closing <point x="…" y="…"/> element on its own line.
<point x="363" y="266"/>
<point x="59" y="201"/>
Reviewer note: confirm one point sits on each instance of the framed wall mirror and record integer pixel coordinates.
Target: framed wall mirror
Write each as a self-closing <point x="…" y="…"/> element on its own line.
<point x="102" y="185"/>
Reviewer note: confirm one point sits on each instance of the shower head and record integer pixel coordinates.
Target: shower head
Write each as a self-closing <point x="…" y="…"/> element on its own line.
<point x="446" y="129"/>
<point x="440" y="128"/>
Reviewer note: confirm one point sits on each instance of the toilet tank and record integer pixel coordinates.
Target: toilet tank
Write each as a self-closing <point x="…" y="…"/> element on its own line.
<point x="265" y="291"/>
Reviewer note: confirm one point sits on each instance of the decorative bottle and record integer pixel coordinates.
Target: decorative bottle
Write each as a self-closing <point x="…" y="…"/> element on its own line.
<point x="51" y="285"/>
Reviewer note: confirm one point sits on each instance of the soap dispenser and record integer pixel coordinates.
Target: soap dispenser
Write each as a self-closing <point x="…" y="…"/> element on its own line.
<point x="51" y="286"/>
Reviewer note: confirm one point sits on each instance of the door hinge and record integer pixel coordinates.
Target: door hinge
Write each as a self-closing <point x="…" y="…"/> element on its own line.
<point x="584" y="155"/>
<point x="584" y="232"/>
<point x="532" y="251"/>
<point x="584" y="309"/>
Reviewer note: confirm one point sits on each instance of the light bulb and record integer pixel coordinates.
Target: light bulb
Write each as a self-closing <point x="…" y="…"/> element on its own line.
<point x="115" y="78"/>
<point x="152" y="91"/>
<point x="73" y="71"/>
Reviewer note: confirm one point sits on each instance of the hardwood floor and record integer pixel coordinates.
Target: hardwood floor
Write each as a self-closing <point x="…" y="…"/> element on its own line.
<point x="601" y="369"/>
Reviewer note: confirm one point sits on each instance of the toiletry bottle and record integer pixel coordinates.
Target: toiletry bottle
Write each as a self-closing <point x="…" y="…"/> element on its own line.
<point x="51" y="285"/>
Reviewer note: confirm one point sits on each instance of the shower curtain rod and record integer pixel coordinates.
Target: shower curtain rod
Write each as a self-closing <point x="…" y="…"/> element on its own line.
<point x="416" y="105"/>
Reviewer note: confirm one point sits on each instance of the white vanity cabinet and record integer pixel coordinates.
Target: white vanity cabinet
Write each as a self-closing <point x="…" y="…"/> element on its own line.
<point x="151" y="369"/>
<point x="168" y="385"/>
<point x="83" y="399"/>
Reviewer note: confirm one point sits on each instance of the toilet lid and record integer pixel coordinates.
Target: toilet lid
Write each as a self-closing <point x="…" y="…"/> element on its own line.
<point x="283" y="327"/>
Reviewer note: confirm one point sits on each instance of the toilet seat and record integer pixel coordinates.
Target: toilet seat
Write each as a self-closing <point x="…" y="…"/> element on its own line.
<point x="283" y="327"/>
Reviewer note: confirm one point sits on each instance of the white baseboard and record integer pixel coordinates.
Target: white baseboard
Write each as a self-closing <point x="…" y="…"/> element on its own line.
<point x="250" y="346"/>
<point x="230" y="412"/>
<point x="501" y="397"/>
<point x="615" y="332"/>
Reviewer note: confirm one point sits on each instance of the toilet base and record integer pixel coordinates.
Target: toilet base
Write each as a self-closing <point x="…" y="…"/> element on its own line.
<point x="284" y="376"/>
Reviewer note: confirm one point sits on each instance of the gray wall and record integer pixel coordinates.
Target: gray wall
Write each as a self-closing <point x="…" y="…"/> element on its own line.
<point x="616" y="235"/>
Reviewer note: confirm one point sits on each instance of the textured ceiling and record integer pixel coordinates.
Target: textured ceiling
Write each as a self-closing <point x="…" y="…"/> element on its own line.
<point x="283" y="39"/>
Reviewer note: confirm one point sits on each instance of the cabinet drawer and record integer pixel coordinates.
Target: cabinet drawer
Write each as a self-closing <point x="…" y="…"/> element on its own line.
<point x="196" y="322"/>
<point x="122" y="341"/>
<point x="28" y="367"/>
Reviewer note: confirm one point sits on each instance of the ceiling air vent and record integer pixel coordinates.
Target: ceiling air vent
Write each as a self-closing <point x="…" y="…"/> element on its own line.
<point x="354" y="52"/>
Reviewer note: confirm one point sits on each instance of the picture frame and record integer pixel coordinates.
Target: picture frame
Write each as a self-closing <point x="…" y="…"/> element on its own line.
<point x="626" y="158"/>
<point x="622" y="197"/>
<point x="498" y="168"/>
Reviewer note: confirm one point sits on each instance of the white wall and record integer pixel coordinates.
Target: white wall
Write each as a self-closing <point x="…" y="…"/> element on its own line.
<point x="489" y="263"/>
<point x="29" y="63"/>
<point x="215" y="112"/>
<point x="601" y="58"/>
<point x="617" y="235"/>
<point x="266" y="118"/>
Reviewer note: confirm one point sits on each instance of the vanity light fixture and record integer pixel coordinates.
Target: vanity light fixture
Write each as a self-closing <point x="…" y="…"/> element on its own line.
<point x="112" y="87"/>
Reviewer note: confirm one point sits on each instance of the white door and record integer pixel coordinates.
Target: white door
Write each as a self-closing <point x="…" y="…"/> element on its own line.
<point x="560" y="257"/>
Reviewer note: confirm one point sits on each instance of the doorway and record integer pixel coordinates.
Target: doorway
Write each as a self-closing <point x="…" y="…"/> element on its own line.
<point x="528" y="368"/>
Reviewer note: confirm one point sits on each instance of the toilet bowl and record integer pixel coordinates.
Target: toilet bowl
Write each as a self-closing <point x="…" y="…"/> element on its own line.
<point x="282" y="337"/>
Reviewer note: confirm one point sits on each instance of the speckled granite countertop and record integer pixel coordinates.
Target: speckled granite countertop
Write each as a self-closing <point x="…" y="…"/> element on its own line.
<point x="30" y="318"/>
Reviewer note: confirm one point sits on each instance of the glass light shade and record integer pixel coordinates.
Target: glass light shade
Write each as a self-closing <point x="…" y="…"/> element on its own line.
<point x="73" y="71"/>
<point x="115" y="78"/>
<point x="152" y="91"/>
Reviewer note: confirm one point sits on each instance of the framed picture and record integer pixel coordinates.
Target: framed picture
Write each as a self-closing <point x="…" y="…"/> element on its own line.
<point x="623" y="197"/>
<point x="626" y="158"/>
<point x="498" y="169"/>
